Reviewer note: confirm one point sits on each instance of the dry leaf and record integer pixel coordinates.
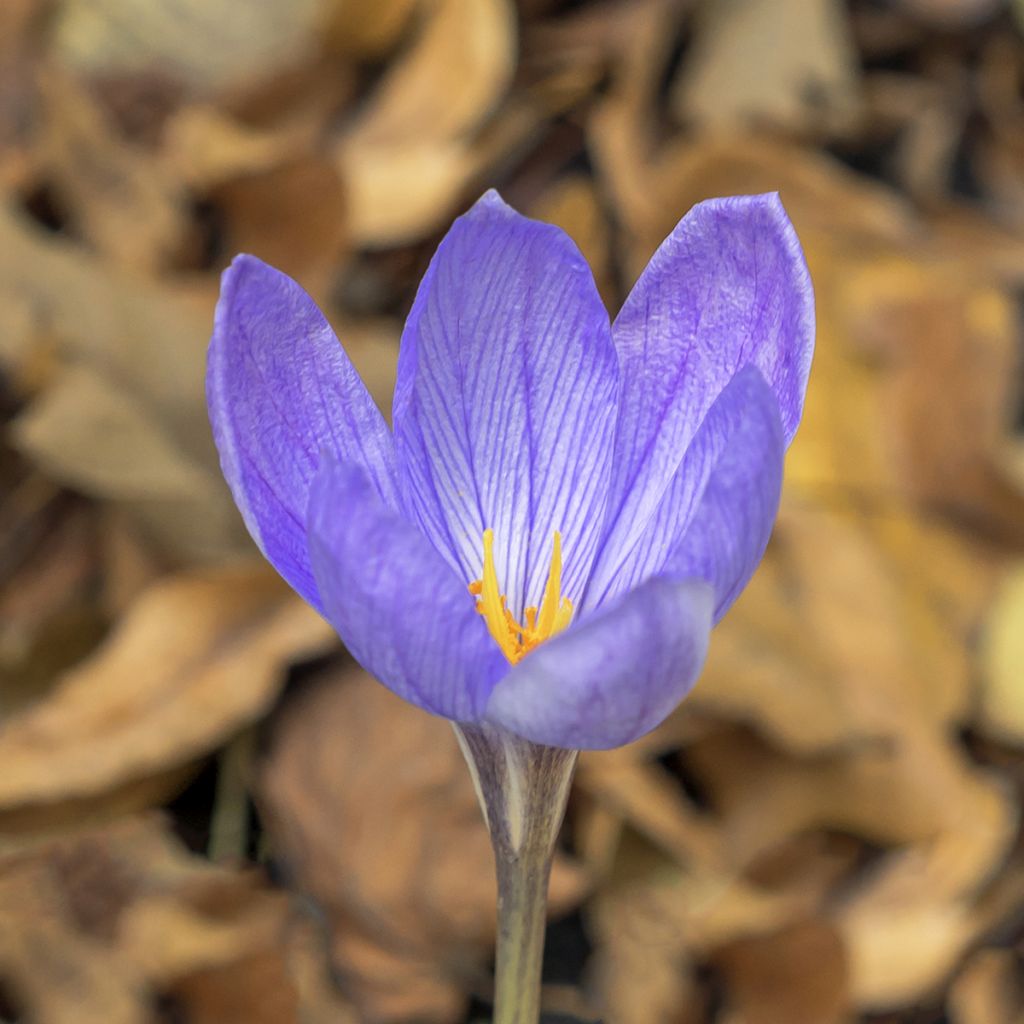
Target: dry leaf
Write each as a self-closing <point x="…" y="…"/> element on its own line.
<point x="100" y="925"/>
<point x="791" y="64"/>
<point x="988" y="990"/>
<point x="197" y="656"/>
<point x="119" y="198"/>
<point x="291" y="215"/>
<point x="206" y="147"/>
<point x="406" y="159"/>
<point x="367" y="28"/>
<point x="1001" y="707"/>
<point x="798" y="974"/>
<point x="209" y="47"/>
<point x="826" y="658"/>
<point x="99" y="440"/>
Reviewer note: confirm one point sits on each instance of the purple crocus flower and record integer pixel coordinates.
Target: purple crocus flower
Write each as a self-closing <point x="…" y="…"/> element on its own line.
<point x="565" y="506"/>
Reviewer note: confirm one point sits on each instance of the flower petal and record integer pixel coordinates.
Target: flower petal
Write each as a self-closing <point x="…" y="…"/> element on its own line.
<point x="505" y="401"/>
<point x="280" y="389"/>
<point x="727" y="536"/>
<point x="729" y="287"/>
<point x="613" y="676"/>
<point x="739" y="445"/>
<point x="402" y="612"/>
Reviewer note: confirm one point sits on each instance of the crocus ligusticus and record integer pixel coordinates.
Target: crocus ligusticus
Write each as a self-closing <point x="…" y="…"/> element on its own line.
<point x="565" y="506"/>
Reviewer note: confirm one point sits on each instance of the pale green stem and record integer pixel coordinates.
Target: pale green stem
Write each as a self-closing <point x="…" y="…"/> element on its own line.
<point x="523" y="789"/>
<point x="522" y="917"/>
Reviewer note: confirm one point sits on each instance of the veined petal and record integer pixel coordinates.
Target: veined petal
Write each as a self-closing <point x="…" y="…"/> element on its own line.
<point x="613" y="676"/>
<point x="402" y="612"/>
<point x="727" y="536"/>
<point x="736" y="454"/>
<point x="280" y="390"/>
<point x="505" y="401"/>
<point x="729" y="287"/>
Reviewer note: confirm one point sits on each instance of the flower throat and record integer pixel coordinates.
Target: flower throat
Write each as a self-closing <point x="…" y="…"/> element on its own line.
<point x="517" y="640"/>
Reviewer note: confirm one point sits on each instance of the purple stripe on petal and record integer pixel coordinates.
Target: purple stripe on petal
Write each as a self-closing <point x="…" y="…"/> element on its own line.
<point x="727" y="537"/>
<point x="402" y="612"/>
<point x="742" y="431"/>
<point x="613" y="676"/>
<point x="729" y="287"/>
<point x="280" y="389"/>
<point x="505" y="401"/>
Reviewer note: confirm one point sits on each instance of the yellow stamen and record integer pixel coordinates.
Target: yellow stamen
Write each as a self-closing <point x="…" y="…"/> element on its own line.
<point x="517" y="640"/>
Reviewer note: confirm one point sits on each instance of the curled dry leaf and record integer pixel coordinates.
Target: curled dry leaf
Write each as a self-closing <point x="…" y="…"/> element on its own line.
<point x="205" y="46"/>
<point x="797" y="974"/>
<point x="150" y="338"/>
<point x="206" y="147"/>
<point x="119" y="197"/>
<point x="99" y="926"/>
<point x="653" y="920"/>
<point x="792" y="64"/>
<point x="988" y="990"/>
<point x="1001" y="709"/>
<point x="951" y="828"/>
<point x="367" y="28"/>
<point x="822" y="659"/>
<point x="643" y="973"/>
<point x="136" y="390"/>
<point x="196" y="657"/>
<point x="96" y="438"/>
<point x="291" y="215"/>
<point x="411" y="150"/>
<point x="371" y="805"/>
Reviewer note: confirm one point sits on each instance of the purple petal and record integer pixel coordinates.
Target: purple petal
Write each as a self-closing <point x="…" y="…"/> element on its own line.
<point x="505" y="399"/>
<point x="729" y="287"/>
<point x="727" y="536"/>
<point x="280" y="389"/>
<point x="402" y="612"/>
<point x="613" y="676"/>
<point x="735" y="455"/>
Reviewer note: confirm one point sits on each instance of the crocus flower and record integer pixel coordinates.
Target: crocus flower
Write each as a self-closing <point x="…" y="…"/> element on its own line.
<point x="565" y="506"/>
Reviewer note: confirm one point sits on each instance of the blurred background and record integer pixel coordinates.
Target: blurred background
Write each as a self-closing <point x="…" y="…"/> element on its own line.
<point x="209" y="815"/>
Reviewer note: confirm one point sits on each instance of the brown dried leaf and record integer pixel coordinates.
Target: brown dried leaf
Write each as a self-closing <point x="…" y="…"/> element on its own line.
<point x="367" y="28"/>
<point x="196" y="657"/>
<point x="143" y="348"/>
<point x="653" y="919"/>
<point x="791" y="64"/>
<point x="822" y="659"/>
<point x="205" y="147"/>
<point x="453" y="74"/>
<point x="99" y="440"/>
<point x="797" y="974"/>
<point x="410" y="153"/>
<point x="53" y="970"/>
<point x="291" y="215"/>
<point x="118" y="196"/>
<point x="988" y="990"/>
<point x="371" y="803"/>
<point x="205" y="46"/>
<point x="1001" y="709"/>
<point x="97" y="926"/>
<point x="643" y="973"/>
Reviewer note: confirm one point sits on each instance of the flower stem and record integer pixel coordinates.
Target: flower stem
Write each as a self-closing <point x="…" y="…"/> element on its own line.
<point x="522" y="913"/>
<point x="523" y="789"/>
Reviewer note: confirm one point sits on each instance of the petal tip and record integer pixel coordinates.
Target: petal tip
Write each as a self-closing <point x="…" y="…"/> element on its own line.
<point x="490" y="203"/>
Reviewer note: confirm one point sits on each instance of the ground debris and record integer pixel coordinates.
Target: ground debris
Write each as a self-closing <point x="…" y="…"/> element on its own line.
<point x="828" y="830"/>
